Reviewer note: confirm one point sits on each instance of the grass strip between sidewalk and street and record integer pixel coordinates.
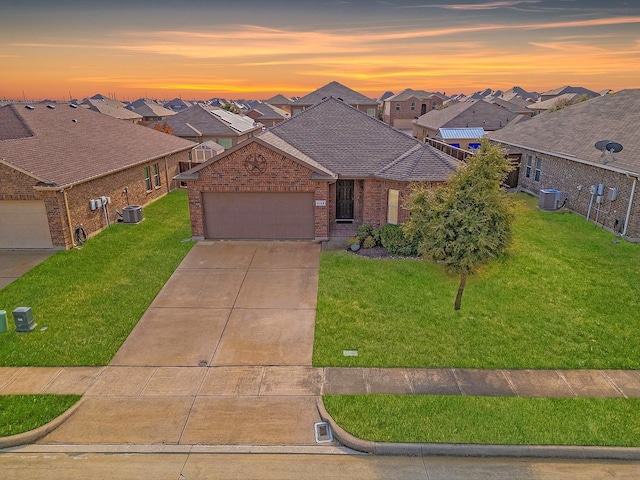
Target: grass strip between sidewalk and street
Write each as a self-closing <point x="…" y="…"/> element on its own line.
<point x="87" y="300"/>
<point x="22" y="413"/>
<point x="610" y="422"/>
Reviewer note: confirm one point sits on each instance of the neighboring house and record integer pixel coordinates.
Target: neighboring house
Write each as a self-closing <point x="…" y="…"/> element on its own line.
<point x="267" y="115"/>
<point x="201" y="124"/>
<point x="464" y="138"/>
<point x="567" y="89"/>
<point x="558" y="152"/>
<point x="467" y="114"/>
<point x="177" y="105"/>
<point x="281" y="102"/>
<point x="55" y="161"/>
<point x="553" y="102"/>
<point x="339" y="91"/>
<point x="519" y="107"/>
<point x="111" y="107"/>
<point x="402" y="109"/>
<point x="150" y="110"/>
<point x="315" y="176"/>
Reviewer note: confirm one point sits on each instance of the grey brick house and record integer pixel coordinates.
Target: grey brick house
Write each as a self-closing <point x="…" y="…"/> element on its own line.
<point x="558" y="151"/>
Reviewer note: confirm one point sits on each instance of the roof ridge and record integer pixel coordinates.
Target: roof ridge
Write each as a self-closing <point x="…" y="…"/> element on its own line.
<point x="400" y="158"/>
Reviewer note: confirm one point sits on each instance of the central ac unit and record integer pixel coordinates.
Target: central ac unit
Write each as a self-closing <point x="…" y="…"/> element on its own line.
<point x="132" y="214"/>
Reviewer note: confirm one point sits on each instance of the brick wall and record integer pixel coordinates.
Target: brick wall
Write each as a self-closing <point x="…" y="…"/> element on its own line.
<point x="566" y="175"/>
<point x="17" y="186"/>
<point x="403" y="117"/>
<point x="229" y="174"/>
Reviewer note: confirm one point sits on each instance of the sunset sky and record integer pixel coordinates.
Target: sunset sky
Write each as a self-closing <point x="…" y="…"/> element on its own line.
<point x="198" y="49"/>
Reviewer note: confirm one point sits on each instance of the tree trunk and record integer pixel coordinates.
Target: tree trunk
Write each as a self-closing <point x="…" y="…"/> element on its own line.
<point x="463" y="281"/>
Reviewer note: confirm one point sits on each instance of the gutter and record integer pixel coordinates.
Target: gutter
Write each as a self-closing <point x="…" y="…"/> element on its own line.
<point x="69" y="185"/>
<point x="626" y="220"/>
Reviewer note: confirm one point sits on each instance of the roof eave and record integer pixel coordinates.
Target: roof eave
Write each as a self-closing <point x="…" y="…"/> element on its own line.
<point x="569" y="157"/>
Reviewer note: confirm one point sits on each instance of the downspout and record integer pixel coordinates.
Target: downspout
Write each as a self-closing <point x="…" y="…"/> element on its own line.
<point x="66" y="208"/>
<point x="626" y="220"/>
<point x="166" y="173"/>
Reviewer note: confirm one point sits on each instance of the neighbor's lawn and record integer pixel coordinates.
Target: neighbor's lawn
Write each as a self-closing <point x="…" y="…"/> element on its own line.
<point x="86" y="301"/>
<point x="567" y="295"/>
<point x="488" y="420"/>
<point x="21" y="413"/>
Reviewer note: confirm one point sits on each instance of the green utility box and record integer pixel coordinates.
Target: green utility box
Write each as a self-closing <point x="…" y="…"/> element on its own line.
<point x="3" y="321"/>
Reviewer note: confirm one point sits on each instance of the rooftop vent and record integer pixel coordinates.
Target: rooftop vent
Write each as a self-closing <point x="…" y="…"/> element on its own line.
<point x="29" y="107"/>
<point x="52" y="107"/>
<point x="73" y="105"/>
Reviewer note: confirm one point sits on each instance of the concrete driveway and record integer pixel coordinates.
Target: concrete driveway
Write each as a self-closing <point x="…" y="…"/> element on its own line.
<point x="222" y="356"/>
<point x="15" y="263"/>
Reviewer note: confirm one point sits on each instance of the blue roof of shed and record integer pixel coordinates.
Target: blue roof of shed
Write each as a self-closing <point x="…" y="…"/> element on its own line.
<point x="461" y="133"/>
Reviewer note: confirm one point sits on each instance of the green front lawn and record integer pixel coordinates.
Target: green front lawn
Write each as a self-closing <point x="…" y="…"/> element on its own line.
<point x="567" y="295"/>
<point x="86" y="301"/>
<point x="488" y="420"/>
<point x="21" y="413"/>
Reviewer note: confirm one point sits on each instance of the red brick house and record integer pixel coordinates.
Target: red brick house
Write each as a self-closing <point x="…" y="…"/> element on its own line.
<point x="402" y="109"/>
<point x="315" y="176"/>
<point x="55" y="159"/>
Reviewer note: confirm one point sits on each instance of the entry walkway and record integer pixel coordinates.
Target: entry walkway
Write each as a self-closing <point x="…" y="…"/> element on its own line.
<point x="223" y="357"/>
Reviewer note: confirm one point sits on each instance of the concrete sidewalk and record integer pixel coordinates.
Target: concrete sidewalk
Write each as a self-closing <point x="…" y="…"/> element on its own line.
<point x="265" y="380"/>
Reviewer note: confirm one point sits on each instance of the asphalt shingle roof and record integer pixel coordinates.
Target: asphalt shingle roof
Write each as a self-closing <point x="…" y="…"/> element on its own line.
<point x="205" y="121"/>
<point x="149" y="108"/>
<point x="471" y="113"/>
<point x="72" y="145"/>
<point x="574" y="130"/>
<point x="346" y="141"/>
<point x="422" y="164"/>
<point x="336" y="90"/>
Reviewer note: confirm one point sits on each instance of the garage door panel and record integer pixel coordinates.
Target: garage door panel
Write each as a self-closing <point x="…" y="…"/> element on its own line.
<point x="24" y="224"/>
<point x="266" y="216"/>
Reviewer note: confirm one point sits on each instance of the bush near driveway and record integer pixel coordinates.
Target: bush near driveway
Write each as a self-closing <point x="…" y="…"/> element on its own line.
<point x="89" y="299"/>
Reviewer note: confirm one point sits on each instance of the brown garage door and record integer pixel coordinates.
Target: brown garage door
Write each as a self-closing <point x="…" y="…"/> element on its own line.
<point x="24" y="224"/>
<point x="268" y="216"/>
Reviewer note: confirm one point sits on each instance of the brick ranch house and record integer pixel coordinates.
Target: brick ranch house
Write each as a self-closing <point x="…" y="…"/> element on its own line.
<point x="316" y="176"/>
<point x="557" y="151"/>
<point x="55" y="159"/>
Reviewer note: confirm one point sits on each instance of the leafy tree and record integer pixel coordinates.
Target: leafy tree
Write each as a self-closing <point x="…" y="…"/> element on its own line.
<point x="466" y="222"/>
<point x="163" y="127"/>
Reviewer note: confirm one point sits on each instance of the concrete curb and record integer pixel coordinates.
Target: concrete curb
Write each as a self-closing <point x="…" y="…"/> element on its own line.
<point x="473" y="450"/>
<point x="36" y="434"/>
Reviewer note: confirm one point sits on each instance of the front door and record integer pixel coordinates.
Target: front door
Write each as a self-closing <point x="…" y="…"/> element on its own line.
<point x="344" y="200"/>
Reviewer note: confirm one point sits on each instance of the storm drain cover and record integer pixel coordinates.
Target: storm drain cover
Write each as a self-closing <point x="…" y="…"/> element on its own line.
<point x="323" y="432"/>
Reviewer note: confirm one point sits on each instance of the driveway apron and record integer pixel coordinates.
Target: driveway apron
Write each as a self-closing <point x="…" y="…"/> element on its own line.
<point x="222" y="355"/>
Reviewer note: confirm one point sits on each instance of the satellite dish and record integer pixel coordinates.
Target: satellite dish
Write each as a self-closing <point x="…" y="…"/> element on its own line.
<point x="613" y="147"/>
<point x="608" y="146"/>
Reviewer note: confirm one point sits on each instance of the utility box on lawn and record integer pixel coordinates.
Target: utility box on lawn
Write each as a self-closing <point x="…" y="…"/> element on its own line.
<point x="23" y="317"/>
